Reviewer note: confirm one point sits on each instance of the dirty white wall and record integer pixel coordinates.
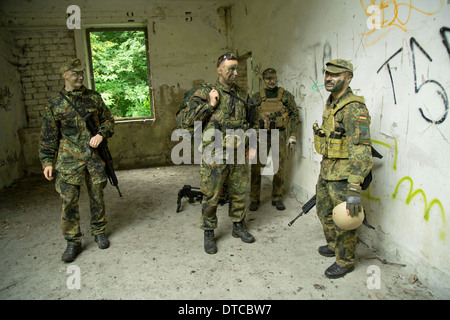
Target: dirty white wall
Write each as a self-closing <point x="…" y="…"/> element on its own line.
<point x="185" y="39"/>
<point x="408" y="201"/>
<point x="12" y="113"/>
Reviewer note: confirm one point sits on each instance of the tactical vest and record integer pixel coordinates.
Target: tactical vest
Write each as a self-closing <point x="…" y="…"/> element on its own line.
<point x="273" y="112"/>
<point x="330" y="139"/>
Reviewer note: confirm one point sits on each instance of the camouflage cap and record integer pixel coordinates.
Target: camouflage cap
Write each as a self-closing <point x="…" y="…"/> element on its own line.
<point x="268" y="72"/>
<point x="72" y="64"/>
<point x="339" y="66"/>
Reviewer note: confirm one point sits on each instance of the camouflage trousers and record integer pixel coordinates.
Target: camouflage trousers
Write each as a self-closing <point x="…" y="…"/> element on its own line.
<point x="328" y="195"/>
<point x="278" y="178"/>
<point x="70" y="217"/>
<point x="213" y="177"/>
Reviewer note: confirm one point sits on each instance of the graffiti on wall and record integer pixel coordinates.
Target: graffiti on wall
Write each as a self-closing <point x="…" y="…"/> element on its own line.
<point x="411" y="192"/>
<point x="5" y="96"/>
<point x="9" y="160"/>
<point x="416" y="49"/>
<point x="393" y="15"/>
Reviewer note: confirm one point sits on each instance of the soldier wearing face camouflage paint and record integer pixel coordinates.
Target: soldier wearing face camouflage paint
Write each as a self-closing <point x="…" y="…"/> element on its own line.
<point x="223" y="107"/>
<point x="343" y="140"/>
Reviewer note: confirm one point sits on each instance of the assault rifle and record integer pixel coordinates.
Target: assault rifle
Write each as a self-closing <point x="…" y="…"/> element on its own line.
<point x="104" y="153"/>
<point x="102" y="149"/>
<point x="312" y="202"/>
<point x="188" y="192"/>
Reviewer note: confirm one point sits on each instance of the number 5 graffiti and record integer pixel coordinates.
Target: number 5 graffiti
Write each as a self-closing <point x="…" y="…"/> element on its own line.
<point x="439" y="90"/>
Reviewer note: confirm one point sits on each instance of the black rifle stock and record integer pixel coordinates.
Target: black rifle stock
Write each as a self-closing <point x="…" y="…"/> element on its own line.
<point x="192" y="195"/>
<point x="188" y="192"/>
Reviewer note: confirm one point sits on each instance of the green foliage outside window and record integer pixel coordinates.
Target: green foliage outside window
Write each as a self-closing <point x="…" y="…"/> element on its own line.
<point x="120" y="71"/>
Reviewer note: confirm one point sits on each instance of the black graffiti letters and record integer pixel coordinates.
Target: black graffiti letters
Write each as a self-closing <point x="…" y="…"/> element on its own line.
<point x="429" y="83"/>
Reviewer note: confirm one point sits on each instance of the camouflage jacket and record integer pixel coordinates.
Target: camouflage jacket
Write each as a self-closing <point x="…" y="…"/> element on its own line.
<point x="354" y="119"/>
<point x="288" y="101"/>
<point x="228" y="112"/>
<point x="64" y="139"/>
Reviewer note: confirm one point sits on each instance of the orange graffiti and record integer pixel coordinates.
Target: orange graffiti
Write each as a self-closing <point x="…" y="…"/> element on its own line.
<point x="390" y="17"/>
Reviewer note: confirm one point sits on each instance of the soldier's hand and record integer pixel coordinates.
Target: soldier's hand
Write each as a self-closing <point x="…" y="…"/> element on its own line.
<point x="292" y="141"/>
<point x="95" y="141"/>
<point x="353" y="199"/>
<point x="213" y="97"/>
<point x="48" y="172"/>
<point x="251" y="153"/>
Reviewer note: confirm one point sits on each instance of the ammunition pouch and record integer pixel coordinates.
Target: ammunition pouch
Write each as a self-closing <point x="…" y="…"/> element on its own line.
<point x="333" y="146"/>
<point x="274" y="114"/>
<point x="320" y="141"/>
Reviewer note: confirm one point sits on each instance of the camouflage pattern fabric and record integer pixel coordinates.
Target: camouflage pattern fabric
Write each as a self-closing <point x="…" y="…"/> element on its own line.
<point x="339" y="66"/>
<point x="228" y="109"/>
<point x="278" y="178"/>
<point x="336" y="173"/>
<point x="288" y="101"/>
<point x="65" y="141"/>
<point x="70" y="217"/>
<point x="214" y="175"/>
<point x="328" y="195"/>
<point x="65" y="138"/>
<point x="354" y="119"/>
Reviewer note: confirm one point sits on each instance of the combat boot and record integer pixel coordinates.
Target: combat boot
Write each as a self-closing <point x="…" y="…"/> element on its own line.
<point x="240" y="232"/>
<point x="254" y="205"/>
<point x="336" y="271"/>
<point x="326" y="251"/>
<point x="101" y="240"/>
<point x="279" y="205"/>
<point x="71" y="252"/>
<point x="210" y="242"/>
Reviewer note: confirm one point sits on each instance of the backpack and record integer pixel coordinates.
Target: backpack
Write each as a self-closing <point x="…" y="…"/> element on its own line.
<point x="185" y="115"/>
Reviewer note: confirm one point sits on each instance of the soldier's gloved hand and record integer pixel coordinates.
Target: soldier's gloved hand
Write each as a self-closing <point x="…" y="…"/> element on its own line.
<point x="292" y="141"/>
<point x="353" y="199"/>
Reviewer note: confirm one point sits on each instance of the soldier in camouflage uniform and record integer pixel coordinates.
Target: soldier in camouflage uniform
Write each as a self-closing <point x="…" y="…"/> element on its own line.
<point x="276" y="108"/>
<point x="220" y="107"/>
<point x="343" y="140"/>
<point x="67" y="150"/>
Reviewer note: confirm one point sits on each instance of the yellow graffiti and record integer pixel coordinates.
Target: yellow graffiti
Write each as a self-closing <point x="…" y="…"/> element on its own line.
<point x="390" y="147"/>
<point x="428" y="207"/>
<point x="386" y="23"/>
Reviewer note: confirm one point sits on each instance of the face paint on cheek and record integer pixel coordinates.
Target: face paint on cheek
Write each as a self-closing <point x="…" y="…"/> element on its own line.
<point x="339" y="85"/>
<point x="231" y="69"/>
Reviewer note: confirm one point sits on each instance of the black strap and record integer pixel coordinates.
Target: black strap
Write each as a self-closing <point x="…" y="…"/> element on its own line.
<point x="82" y="114"/>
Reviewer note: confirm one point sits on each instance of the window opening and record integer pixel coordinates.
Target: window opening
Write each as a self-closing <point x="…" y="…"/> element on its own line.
<point x="120" y="70"/>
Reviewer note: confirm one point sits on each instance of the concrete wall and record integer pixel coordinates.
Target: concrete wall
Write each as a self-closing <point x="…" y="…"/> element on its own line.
<point x="12" y="112"/>
<point x="185" y="39"/>
<point x="401" y="69"/>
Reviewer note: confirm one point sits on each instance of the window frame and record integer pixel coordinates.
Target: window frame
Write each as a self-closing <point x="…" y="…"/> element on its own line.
<point x="91" y="79"/>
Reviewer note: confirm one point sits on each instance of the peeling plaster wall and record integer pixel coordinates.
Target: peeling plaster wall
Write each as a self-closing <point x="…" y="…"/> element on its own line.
<point x="401" y="68"/>
<point x="12" y="112"/>
<point x="185" y="39"/>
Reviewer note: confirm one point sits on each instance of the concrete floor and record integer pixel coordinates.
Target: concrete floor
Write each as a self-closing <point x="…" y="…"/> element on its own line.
<point x="158" y="254"/>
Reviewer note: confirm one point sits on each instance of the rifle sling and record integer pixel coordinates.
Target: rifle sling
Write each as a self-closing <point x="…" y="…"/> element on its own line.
<point x="82" y="114"/>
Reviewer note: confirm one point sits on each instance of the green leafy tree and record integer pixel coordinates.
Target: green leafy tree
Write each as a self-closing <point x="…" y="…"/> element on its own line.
<point x="120" y="71"/>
